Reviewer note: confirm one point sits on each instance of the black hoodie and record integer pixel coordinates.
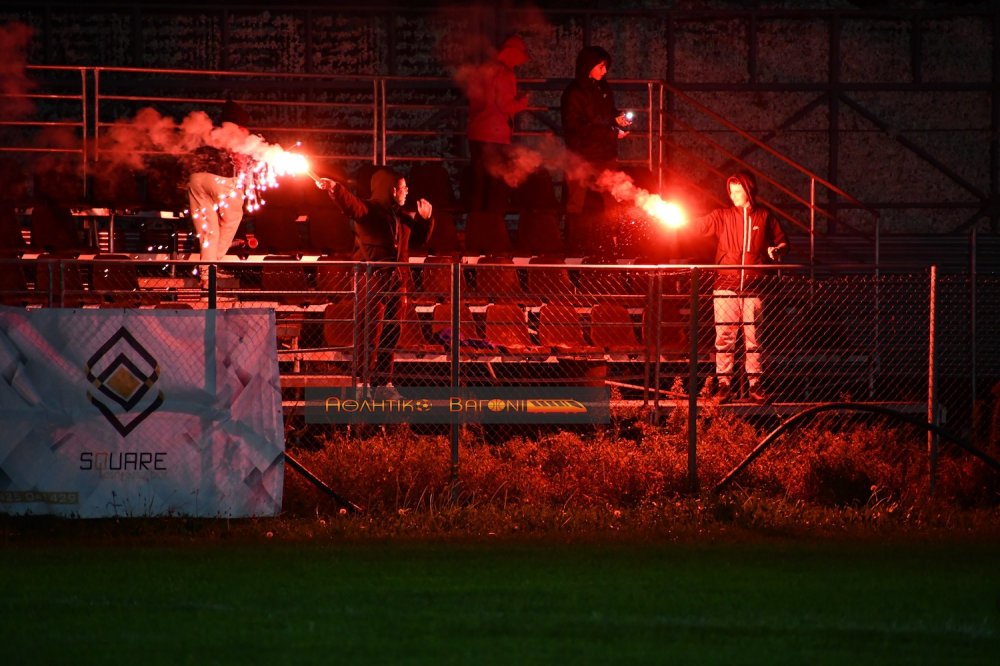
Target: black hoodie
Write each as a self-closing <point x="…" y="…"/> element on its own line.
<point x="589" y="111"/>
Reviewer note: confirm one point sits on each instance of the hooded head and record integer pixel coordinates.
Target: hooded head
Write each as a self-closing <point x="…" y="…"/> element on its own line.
<point x="746" y="180"/>
<point x="383" y="184"/>
<point x="513" y="52"/>
<point x="588" y="58"/>
<point x="235" y="114"/>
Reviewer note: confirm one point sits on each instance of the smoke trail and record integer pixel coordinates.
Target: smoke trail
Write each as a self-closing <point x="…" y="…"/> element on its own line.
<point x="127" y="141"/>
<point x="550" y="153"/>
<point x="468" y="54"/>
<point x="14" y="80"/>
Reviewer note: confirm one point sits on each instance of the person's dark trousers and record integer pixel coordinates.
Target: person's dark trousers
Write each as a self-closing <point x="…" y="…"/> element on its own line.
<point x="489" y="192"/>
<point x="380" y="297"/>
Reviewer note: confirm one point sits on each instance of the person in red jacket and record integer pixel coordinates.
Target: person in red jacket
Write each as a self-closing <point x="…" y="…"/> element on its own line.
<point x="493" y="101"/>
<point x="745" y="234"/>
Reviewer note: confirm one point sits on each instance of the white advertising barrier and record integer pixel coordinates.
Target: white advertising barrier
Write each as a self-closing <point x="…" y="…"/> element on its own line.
<point x="116" y="413"/>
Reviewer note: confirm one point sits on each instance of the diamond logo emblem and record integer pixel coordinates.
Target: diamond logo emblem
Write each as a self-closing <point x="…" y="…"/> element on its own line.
<point x="124" y="374"/>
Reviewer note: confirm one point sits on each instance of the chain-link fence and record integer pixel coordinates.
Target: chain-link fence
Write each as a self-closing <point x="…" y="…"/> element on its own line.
<point x="654" y="336"/>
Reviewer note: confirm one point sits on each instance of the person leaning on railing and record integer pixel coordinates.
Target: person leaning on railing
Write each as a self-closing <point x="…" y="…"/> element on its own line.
<point x="745" y="234"/>
<point x="215" y="198"/>
<point x="383" y="229"/>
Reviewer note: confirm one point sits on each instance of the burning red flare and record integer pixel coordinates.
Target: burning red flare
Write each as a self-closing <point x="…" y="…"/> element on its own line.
<point x="666" y="213"/>
<point x="622" y="188"/>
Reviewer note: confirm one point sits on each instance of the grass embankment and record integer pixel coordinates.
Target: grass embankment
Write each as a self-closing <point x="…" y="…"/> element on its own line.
<point x="632" y="477"/>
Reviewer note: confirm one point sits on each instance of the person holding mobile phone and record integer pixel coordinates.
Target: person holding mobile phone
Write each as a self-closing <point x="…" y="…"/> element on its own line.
<point x="592" y="126"/>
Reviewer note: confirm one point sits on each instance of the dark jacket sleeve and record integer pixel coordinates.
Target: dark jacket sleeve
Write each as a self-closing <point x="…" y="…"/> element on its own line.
<point x="419" y="228"/>
<point x="706" y="226"/>
<point x="588" y="125"/>
<point x="777" y="236"/>
<point x="351" y="205"/>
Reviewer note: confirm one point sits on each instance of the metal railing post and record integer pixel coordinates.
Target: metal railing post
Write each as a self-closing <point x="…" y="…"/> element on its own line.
<point x="380" y="120"/>
<point x="357" y="348"/>
<point x="456" y="294"/>
<point x="366" y="327"/>
<point x="972" y="315"/>
<point x="693" y="385"/>
<point x="658" y="340"/>
<point x="932" y="406"/>
<point x="659" y="140"/>
<point x="649" y="126"/>
<point x="812" y="228"/>
<point x="213" y="286"/>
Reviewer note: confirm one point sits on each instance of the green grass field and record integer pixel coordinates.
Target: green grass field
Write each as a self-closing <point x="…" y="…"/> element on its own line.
<point x="380" y="602"/>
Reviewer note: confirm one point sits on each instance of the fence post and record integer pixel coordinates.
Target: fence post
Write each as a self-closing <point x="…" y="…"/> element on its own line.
<point x="972" y="316"/>
<point x="456" y="283"/>
<point x="366" y="327"/>
<point x="812" y="229"/>
<point x="658" y="295"/>
<point x="213" y="286"/>
<point x="357" y="349"/>
<point x="378" y="121"/>
<point x="659" y="139"/>
<point x="932" y="407"/>
<point x="693" y="386"/>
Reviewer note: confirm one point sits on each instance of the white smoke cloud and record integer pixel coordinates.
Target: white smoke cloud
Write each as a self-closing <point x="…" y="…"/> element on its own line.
<point x="128" y="140"/>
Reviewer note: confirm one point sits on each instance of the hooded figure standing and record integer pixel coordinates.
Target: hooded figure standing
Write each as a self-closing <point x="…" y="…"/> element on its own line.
<point x="592" y="126"/>
<point x="382" y="231"/>
<point x="493" y="101"/>
<point x="215" y="193"/>
<point x="745" y="234"/>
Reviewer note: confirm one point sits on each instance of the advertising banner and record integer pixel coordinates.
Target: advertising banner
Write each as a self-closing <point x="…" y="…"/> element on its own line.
<point x="514" y="405"/>
<point x="120" y="413"/>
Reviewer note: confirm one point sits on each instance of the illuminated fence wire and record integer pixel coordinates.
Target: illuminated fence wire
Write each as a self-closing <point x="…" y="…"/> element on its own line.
<point x="848" y="336"/>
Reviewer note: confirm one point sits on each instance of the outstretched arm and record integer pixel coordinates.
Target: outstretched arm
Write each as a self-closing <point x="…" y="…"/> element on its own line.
<point x="350" y="204"/>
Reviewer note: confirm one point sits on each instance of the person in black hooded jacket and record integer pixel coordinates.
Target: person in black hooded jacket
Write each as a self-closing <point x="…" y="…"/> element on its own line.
<point x="382" y="231"/>
<point x="592" y="126"/>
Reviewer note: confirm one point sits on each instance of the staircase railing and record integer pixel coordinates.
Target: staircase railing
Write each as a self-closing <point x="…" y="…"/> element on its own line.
<point x="671" y="95"/>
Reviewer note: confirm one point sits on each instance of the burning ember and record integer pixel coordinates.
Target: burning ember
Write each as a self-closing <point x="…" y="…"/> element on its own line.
<point x="264" y="169"/>
<point x="260" y="170"/>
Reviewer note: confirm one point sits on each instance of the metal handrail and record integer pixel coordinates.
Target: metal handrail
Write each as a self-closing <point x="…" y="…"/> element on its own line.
<point x="376" y="122"/>
<point x="813" y="177"/>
